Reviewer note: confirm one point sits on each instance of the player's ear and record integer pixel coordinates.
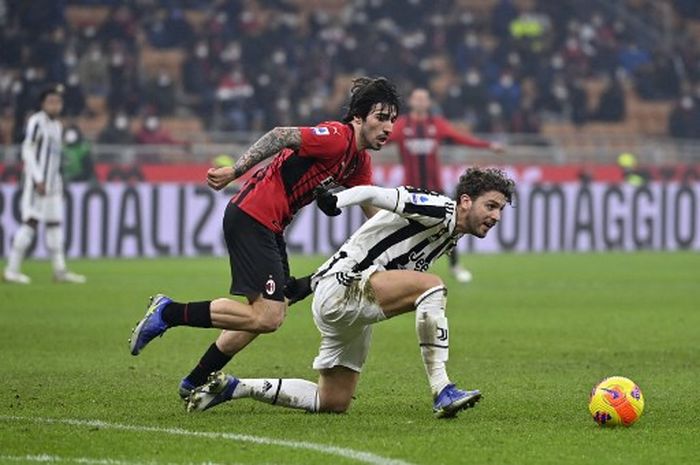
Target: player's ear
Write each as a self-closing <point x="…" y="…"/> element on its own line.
<point x="465" y="201"/>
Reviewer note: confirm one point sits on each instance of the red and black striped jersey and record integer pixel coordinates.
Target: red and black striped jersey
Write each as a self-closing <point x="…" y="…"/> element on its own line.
<point x="327" y="158"/>
<point x="419" y="141"/>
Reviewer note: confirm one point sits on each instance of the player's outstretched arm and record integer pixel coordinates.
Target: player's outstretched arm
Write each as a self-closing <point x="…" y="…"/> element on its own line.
<point x="380" y="197"/>
<point x="270" y="144"/>
<point x="450" y="132"/>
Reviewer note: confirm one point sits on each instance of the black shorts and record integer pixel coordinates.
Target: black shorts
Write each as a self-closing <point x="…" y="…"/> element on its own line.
<point x="258" y="256"/>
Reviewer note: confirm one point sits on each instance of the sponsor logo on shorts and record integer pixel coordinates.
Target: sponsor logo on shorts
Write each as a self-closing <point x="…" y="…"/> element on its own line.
<point x="270" y="286"/>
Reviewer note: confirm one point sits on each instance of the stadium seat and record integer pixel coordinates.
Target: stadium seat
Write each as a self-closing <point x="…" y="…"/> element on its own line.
<point x="153" y="60"/>
<point x="80" y="16"/>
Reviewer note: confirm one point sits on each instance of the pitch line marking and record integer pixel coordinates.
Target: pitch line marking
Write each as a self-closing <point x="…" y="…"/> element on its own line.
<point x="47" y="458"/>
<point x="352" y="454"/>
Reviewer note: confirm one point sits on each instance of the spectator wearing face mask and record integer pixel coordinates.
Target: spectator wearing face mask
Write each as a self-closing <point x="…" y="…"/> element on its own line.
<point x="78" y="165"/>
<point x="117" y="132"/>
<point x="152" y="133"/>
<point x="161" y="94"/>
<point x="120" y="25"/>
<point x="611" y="106"/>
<point x="199" y="80"/>
<point x="234" y="93"/>
<point x="74" y="99"/>
<point x="94" y="71"/>
<point x="197" y="70"/>
<point x="470" y="52"/>
<point x="168" y="28"/>
<point x="125" y="92"/>
<point x="507" y="93"/>
<point x="468" y="99"/>
<point x="26" y="92"/>
<point x="684" y="120"/>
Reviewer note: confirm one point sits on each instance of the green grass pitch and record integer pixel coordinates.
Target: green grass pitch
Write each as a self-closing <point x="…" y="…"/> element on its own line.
<point x="533" y="332"/>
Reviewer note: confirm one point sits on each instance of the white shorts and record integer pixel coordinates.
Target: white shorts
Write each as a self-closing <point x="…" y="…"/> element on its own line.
<point x="44" y="208"/>
<point x="344" y="315"/>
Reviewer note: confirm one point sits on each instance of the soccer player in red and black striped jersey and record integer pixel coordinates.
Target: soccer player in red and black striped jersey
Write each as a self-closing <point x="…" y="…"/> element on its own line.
<point x="307" y="161"/>
<point x="419" y="135"/>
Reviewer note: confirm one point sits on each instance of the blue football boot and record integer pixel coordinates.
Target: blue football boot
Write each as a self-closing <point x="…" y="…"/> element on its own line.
<point x="185" y="389"/>
<point x="151" y="326"/>
<point x="452" y="400"/>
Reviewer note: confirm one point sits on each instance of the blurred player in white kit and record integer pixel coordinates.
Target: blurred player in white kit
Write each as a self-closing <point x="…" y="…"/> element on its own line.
<point x="42" y="192"/>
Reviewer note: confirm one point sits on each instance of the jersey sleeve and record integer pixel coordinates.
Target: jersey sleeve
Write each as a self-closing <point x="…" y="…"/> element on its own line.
<point x="32" y="150"/>
<point x="325" y="141"/>
<point x="447" y="131"/>
<point x="426" y="207"/>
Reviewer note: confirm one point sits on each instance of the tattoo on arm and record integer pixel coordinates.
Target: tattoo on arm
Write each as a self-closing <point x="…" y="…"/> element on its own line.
<point x="269" y="144"/>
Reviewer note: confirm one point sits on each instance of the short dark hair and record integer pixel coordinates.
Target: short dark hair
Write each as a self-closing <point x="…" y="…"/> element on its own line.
<point x="54" y="89"/>
<point x="476" y="181"/>
<point x="367" y="92"/>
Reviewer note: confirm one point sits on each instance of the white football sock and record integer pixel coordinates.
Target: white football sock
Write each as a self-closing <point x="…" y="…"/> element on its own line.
<point x="23" y="238"/>
<point x="54" y="244"/>
<point x="292" y="393"/>
<point x="431" y="328"/>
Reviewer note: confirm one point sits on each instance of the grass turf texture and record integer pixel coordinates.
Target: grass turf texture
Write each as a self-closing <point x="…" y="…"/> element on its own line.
<point x="533" y="332"/>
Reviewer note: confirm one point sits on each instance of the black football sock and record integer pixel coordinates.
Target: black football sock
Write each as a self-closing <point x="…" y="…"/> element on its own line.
<point x="189" y="314"/>
<point x="212" y="360"/>
<point x="454" y="258"/>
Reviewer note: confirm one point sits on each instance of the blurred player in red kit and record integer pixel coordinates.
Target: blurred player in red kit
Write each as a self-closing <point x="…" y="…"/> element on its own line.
<point x="419" y="135"/>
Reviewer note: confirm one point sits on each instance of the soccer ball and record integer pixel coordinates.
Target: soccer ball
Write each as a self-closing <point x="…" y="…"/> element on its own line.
<point x="616" y="401"/>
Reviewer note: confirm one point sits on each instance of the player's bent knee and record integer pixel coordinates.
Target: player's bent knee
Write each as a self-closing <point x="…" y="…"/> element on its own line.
<point x="268" y="325"/>
<point x="269" y="317"/>
<point x="430" y="280"/>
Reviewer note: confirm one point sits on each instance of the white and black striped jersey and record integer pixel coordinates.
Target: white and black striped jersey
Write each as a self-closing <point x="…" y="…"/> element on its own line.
<point x="41" y="152"/>
<point x="418" y="231"/>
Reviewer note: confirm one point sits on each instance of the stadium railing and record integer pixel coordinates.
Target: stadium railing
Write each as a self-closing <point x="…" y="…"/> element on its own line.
<point x="521" y="149"/>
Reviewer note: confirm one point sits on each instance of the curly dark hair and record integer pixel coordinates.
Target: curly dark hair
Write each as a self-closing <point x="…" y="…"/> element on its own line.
<point x="53" y="89"/>
<point x="367" y="92"/>
<point x="476" y="181"/>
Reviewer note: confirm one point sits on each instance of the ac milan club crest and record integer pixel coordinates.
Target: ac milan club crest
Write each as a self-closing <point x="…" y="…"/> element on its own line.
<point x="270" y="286"/>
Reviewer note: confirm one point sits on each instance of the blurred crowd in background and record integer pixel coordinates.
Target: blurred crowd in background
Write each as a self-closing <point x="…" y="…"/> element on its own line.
<point x="254" y="64"/>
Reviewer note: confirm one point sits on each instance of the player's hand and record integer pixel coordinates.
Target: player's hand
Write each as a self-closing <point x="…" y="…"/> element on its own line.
<point x="40" y="188"/>
<point x="297" y="289"/>
<point x="328" y="203"/>
<point x="497" y="147"/>
<point x="218" y="178"/>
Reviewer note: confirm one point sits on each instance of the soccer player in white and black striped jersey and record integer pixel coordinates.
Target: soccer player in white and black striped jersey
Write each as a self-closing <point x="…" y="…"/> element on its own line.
<point x="380" y="273"/>
<point x="42" y="191"/>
